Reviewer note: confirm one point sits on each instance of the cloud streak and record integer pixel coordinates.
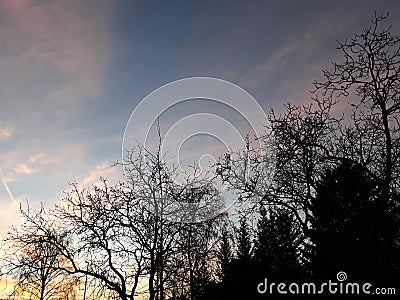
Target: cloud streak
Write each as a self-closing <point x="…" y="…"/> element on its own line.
<point x="7" y="188"/>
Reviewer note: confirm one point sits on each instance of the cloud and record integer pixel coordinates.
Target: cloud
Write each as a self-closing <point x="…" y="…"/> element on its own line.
<point x="5" y="133"/>
<point x="9" y="215"/>
<point x="60" y="162"/>
<point x="23" y="169"/>
<point x="53" y="63"/>
<point x="104" y="170"/>
<point x="36" y="157"/>
<point x="15" y="163"/>
<point x="65" y="39"/>
<point x="287" y="73"/>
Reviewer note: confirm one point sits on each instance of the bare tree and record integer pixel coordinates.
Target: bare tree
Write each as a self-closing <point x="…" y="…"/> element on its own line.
<point x="369" y="76"/>
<point x="170" y="201"/>
<point x="34" y="264"/>
<point x="125" y="238"/>
<point x="198" y="244"/>
<point x="101" y="249"/>
<point x="307" y="138"/>
<point x="371" y="72"/>
<point x="301" y="142"/>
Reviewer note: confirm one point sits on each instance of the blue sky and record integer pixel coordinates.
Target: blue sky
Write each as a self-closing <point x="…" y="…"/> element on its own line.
<point x="71" y="72"/>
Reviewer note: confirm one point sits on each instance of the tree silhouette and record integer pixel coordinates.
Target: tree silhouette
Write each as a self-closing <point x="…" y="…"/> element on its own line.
<point x="347" y="225"/>
<point x="329" y="201"/>
<point x="39" y="277"/>
<point x="225" y="252"/>
<point x="35" y="264"/>
<point x="308" y="140"/>
<point x="369" y="76"/>
<point x="244" y="242"/>
<point x="277" y="243"/>
<point x="196" y="245"/>
<point x="371" y="73"/>
<point x="119" y="236"/>
<point x="344" y="227"/>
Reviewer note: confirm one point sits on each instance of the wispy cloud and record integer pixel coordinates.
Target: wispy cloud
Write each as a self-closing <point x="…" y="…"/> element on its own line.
<point x="23" y="169"/>
<point x="103" y="170"/>
<point x="288" y="72"/>
<point x="64" y="39"/>
<point x="54" y="57"/>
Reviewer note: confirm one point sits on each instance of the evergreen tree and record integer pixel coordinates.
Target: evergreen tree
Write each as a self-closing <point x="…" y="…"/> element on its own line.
<point x="277" y="242"/>
<point x="348" y="225"/>
<point x="244" y="241"/>
<point x="224" y="253"/>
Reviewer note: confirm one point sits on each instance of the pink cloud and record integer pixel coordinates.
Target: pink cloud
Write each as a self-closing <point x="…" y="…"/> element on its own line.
<point x="104" y="170"/>
<point x="5" y="133"/>
<point x="70" y="36"/>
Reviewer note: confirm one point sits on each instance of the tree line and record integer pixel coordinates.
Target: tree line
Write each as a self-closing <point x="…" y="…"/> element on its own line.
<point x="331" y="204"/>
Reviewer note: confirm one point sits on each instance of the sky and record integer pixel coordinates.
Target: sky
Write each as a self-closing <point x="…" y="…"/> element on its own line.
<point x="72" y="73"/>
